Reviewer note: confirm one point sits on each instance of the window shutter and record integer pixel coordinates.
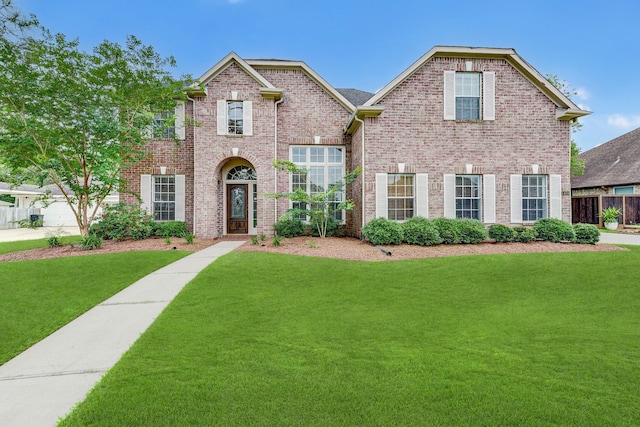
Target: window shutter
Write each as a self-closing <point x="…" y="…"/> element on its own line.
<point x="146" y="193"/>
<point x="489" y="95"/>
<point x="247" y="118"/>
<point x="449" y="196"/>
<point x="489" y="190"/>
<point x="555" y="196"/>
<point x="180" y="198"/>
<point x="179" y="123"/>
<point x="222" y="117"/>
<point x="422" y="195"/>
<point x="516" y="199"/>
<point x="449" y="95"/>
<point x="381" y="195"/>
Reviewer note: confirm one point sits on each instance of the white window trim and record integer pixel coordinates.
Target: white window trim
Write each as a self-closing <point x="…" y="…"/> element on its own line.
<point x="146" y="194"/>
<point x="221" y="118"/>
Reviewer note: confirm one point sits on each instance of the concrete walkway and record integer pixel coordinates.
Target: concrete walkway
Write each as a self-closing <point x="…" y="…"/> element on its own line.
<point x="620" y="238"/>
<point x="15" y="234"/>
<point x="44" y="383"/>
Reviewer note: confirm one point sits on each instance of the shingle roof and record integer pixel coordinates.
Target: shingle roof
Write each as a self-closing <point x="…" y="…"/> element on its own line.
<point x="616" y="162"/>
<point x="355" y="96"/>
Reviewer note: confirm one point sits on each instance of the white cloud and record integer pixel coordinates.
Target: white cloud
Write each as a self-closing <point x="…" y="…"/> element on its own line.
<point x="627" y="122"/>
<point x="582" y="93"/>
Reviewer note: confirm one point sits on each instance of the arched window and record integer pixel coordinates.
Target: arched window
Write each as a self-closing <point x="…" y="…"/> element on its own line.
<point x="242" y="173"/>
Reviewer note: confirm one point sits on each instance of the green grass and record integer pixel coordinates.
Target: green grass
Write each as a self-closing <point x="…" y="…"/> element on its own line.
<point x="275" y="340"/>
<point x="21" y="245"/>
<point x="38" y="297"/>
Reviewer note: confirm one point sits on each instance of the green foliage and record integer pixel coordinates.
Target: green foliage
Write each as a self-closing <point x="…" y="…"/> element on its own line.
<point x="255" y="240"/>
<point x="7" y="197"/>
<point x="331" y="227"/>
<point x="123" y="221"/>
<point x="450" y="230"/>
<point x="420" y="231"/>
<point x="170" y="229"/>
<point x="54" y="241"/>
<point x="501" y="233"/>
<point x="381" y="231"/>
<point x="611" y="214"/>
<point x="586" y="233"/>
<point x="554" y="230"/>
<point x="523" y="234"/>
<point x="91" y="242"/>
<point x="78" y="118"/>
<point x="276" y="241"/>
<point x="288" y="226"/>
<point x="189" y="238"/>
<point x="473" y="231"/>
<point x="319" y="206"/>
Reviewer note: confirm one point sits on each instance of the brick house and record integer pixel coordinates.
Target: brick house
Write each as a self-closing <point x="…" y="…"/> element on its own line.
<point x="462" y="132"/>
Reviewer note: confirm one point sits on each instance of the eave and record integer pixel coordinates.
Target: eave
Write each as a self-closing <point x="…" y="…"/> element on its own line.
<point x="360" y="113"/>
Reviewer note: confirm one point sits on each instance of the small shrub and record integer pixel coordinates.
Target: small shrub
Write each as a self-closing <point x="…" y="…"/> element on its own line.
<point x="501" y="233"/>
<point x="167" y="240"/>
<point x="420" y="231"/>
<point x="170" y="229"/>
<point x="381" y="231"/>
<point x="472" y="231"/>
<point x="255" y="240"/>
<point x="276" y="241"/>
<point x="53" y="241"/>
<point x="450" y="230"/>
<point x="332" y="227"/>
<point x="554" y="230"/>
<point x="123" y="221"/>
<point x="312" y="244"/>
<point x="189" y="238"/>
<point x="263" y="237"/>
<point x="586" y="233"/>
<point x="523" y="234"/>
<point x="289" y="227"/>
<point x="91" y="242"/>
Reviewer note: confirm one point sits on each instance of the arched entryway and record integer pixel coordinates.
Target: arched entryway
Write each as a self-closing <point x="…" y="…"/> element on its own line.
<point x="241" y="197"/>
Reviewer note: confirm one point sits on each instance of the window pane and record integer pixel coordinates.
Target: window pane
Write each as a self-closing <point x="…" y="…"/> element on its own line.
<point x="234" y="117"/>
<point x="468" y="196"/>
<point x="317" y="155"/>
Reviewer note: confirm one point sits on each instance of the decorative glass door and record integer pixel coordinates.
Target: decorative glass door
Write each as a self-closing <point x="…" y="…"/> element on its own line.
<point x="237" y="209"/>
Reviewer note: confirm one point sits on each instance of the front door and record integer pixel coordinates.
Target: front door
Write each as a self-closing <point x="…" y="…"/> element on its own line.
<point x="237" y="209"/>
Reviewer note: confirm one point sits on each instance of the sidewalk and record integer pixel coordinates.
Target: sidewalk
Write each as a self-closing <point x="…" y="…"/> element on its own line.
<point x="43" y="384"/>
<point x="14" y="234"/>
<point x="620" y="238"/>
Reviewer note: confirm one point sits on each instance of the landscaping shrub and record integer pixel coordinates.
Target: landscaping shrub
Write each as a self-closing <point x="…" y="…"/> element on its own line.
<point x="501" y="233"/>
<point x="472" y="231"/>
<point x="333" y="227"/>
<point x="420" y="231"/>
<point x="381" y="231"/>
<point x="554" y="230"/>
<point x="450" y="230"/>
<point x="586" y="233"/>
<point x="122" y="222"/>
<point x="523" y="234"/>
<point x="170" y="229"/>
<point x="91" y="242"/>
<point x="289" y="227"/>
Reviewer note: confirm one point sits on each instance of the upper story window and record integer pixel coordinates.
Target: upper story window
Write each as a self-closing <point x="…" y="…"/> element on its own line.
<point x="234" y="117"/>
<point x="468" y="91"/>
<point x="161" y="128"/>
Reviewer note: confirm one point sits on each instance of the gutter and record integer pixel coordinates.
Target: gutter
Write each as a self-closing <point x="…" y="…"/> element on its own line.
<point x="275" y="157"/>
<point x="193" y="103"/>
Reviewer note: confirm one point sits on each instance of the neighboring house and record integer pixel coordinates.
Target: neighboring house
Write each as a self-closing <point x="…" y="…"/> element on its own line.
<point x="611" y="168"/>
<point x="58" y="213"/>
<point x="463" y="132"/>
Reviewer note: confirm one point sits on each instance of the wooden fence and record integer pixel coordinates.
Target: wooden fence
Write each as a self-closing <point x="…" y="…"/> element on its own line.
<point x="587" y="209"/>
<point x="9" y="217"/>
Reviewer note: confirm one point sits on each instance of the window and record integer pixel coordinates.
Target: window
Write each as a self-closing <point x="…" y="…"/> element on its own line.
<point x="235" y="117"/>
<point x="400" y="196"/>
<point x="468" y="96"/>
<point x="623" y="190"/>
<point x="160" y="128"/>
<point x="242" y="173"/>
<point x="534" y="197"/>
<point x="468" y="196"/>
<point x="325" y="166"/>
<point x="164" y="198"/>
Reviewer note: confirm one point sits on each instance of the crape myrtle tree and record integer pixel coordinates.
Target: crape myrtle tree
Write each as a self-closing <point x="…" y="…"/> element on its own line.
<point x="320" y="203"/>
<point x="577" y="164"/>
<point x="77" y="118"/>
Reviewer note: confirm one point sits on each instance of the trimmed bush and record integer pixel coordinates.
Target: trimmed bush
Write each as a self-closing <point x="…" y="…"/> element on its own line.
<point x="523" y="234"/>
<point x="554" y="230"/>
<point x="289" y="227"/>
<point x="450" y="230"/>
<point x="420" y="231"/>
<point x="122" y="222"/>
<point x="586" y="233"/>
<point x="472" y="231"/>
<point x="170" y="229"/>
<point x="501" y="233"/>
<point x="381" y="231"/>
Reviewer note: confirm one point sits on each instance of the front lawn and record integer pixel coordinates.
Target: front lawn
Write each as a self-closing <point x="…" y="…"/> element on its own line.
<point x="38" y="297"/>
<point x="278" y="340"/>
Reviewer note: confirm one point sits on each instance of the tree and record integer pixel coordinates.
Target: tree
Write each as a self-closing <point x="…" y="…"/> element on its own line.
<point x="577" y="164"/>
<point x="77" y="119"/>
<point x="319" y="204"/>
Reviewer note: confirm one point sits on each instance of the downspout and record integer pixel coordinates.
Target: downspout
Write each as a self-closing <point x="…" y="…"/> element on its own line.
<point x="193" y="103"/>
<point x="362" y="204"/>
<point x="275" y="157"/>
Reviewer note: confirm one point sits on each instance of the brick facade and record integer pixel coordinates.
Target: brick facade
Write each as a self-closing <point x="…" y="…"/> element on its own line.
<point x="410" y="129"/>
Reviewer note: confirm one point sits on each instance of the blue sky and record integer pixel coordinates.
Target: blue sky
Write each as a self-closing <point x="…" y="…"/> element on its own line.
<point x="591" y="44"/>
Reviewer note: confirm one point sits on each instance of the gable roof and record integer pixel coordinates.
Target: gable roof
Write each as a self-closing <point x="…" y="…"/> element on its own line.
<point x="616" y="162"/>
<point x="356" y="96"/>
<point x="566" y="108"/>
